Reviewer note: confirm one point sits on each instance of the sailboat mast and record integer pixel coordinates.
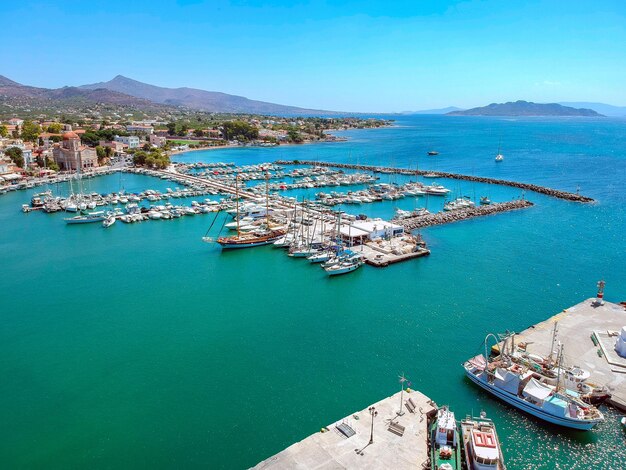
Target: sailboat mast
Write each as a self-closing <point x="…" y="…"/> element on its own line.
<point x="237" y="203"/>
<point x="267" y="199"/>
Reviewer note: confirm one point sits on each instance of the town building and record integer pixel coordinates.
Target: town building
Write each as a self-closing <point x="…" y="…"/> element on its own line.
<point x="70" y="154"/>
<point x="157" y="140"/>
<point x="140" y="129"/>
<point x="131" y="140"/>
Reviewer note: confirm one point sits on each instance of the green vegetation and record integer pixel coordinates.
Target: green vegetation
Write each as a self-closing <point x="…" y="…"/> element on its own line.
<point x="4" y="131"/>
<point x="92" y="138"/>
<point x="239" y="130"/>
<point x="16" y="155"/>
<point x="153" y="159"/>
<point x="30" y="131"/>
<point x="54" y="128"/>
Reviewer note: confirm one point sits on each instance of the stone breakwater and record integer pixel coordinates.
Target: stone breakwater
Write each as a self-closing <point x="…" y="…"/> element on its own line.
<point x="479" y="179"/>
<point x="441" y="218"/>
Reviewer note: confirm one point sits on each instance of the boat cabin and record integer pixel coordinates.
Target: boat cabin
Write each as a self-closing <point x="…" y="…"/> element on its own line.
<point x="446" y="428"/>
<point x="484" y="448"/>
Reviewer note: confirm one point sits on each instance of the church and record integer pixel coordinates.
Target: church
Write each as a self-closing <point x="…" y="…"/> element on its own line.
<point x="70" y="153"/>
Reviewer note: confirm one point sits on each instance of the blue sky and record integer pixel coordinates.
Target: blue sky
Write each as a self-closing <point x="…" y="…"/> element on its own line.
<point x="340" y="55"/>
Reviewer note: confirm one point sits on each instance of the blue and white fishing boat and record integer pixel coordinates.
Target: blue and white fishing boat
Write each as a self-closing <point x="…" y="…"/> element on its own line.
<point x="523" y="388"/>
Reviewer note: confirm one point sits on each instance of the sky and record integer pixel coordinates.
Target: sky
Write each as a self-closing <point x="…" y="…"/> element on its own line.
<point x="347" y="55"/>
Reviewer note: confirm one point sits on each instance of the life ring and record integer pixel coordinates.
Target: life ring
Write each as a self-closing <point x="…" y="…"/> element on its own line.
<point x="579" y="387"/>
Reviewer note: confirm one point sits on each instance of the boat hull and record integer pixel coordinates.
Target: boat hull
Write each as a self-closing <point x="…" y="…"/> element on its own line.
<point x="530" y="409"/>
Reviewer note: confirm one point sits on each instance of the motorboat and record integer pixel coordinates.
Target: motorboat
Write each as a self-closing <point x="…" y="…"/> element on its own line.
<point x="481" y="445"/>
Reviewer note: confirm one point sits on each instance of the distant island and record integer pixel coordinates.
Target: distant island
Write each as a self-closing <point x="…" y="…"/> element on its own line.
<point x="525" y="108"/>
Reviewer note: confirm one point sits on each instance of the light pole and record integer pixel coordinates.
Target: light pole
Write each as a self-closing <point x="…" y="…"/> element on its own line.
<point x="402" y="380"/>
<point x="374" y="413"/>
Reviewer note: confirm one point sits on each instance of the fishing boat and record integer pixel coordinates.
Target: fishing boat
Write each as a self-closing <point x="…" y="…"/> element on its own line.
<point x="86" y="219"/>
<point x="445" y="445"/>
<point x="257" y="237"/>
<point x="523" y="388"/>
<point x="481" y="445"/>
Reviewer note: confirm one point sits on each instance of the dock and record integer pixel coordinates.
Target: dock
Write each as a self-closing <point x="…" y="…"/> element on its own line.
<point x="441" y="218"/>
<point x="400" y="441"/>
<point x="575" y="197"/>
<point x="588" y="332"/>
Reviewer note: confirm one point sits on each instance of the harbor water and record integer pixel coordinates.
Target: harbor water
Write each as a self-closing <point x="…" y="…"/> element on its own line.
<point x="140" y="346"/>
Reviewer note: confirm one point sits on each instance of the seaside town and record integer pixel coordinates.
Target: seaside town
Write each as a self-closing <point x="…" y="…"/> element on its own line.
<point x="313" y="235"/>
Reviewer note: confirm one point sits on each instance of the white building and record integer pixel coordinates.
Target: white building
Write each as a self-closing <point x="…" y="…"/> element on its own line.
<point x="131" y="140"/>
<point x="361" y="231"/>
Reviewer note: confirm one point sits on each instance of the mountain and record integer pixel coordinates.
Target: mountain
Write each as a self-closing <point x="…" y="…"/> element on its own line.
<point x="211" y="101"/>
<point x="11" y="89"/>
<point x="525" y="108"/>
<point x="602" y="108"/>
<point x="447" y="110"/>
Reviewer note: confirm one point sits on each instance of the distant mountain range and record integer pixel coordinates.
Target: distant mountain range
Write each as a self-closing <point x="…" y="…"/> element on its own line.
<point x="124" y="91"/>
<point x="525" y="108"/>
<point x="211" y="101"/>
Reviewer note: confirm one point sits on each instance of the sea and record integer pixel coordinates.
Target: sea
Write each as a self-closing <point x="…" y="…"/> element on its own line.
<point x="140" y="346"/>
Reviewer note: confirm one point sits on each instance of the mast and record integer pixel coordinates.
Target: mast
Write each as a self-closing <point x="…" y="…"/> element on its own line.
<point x="237" y="203"/>
<point x="554" y="332"/>
<point x="558" y="372"/>
<point x="267" y="199"/>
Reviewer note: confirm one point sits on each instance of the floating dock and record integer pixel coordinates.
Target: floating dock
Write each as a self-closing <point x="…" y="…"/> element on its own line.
<point x="440" y="174"/>
<point x="588" y="332"/>
<point x="400" y="441"/>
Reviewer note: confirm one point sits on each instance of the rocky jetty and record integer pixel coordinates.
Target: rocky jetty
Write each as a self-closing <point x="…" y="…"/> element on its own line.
<point x="441" y="218"/>
<point x="440" y="174"/>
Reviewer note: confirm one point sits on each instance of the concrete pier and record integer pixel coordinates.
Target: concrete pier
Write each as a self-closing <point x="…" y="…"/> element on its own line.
<point x="399" y="441"/>
<point x="576" y="326"/>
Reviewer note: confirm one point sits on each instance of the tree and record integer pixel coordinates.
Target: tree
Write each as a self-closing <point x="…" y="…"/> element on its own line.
<point x="140" y="158"/>
<point x="4" y="131"/>
<point x="171" y="128"/>
<point x="182" y="131"/>
<point x="55" y="128"/>
<point x="100" y="152"/>
<point x="294" y="136"/>
<point x="16" y="155"/>
<point x="198" y="132"/>
<point x="239" y="130"/>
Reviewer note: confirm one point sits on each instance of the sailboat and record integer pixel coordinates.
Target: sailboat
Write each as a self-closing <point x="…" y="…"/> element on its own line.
<point x="256" y="237"/>
<point x="499" y="157"/>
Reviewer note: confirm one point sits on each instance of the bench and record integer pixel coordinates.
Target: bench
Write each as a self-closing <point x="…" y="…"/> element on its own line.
<point x="345" y="429"/>
<point x="410" y="405"/>
<point x="396" y="428"/>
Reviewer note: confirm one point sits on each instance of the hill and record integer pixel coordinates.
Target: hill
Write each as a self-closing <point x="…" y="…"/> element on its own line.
<point x="211" y="101"/>
<point x="602" y="108"/>
<point x="525" y="108"/>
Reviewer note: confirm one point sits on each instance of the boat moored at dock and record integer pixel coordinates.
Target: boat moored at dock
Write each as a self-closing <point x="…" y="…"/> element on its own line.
<point x="481" y="446"/>
<point x="523" y="388"/>
<point x="445" y="443"/>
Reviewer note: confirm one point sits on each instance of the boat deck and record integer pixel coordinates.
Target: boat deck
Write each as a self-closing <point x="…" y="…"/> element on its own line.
<point x="576" y="326"/>
<point x="399" y="441"/>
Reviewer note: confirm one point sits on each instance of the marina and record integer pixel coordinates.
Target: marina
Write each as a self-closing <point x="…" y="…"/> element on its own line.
<point x="440" y="174"/>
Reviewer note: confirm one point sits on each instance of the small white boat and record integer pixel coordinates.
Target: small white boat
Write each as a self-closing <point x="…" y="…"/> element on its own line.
<point x="155" y="215"/>
<point x="344" y="266"/>
<point x="321" y="257"/>
<point x="499" y="157"/>
<point x="110" y="220"/>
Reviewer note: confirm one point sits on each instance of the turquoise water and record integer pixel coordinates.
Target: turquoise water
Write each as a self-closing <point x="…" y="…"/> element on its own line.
<point x="141" y="346"/>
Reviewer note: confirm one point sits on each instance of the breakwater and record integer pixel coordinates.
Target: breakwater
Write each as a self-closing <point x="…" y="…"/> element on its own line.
<point x="441" y="218"/>
<point x="441" y="174"/>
